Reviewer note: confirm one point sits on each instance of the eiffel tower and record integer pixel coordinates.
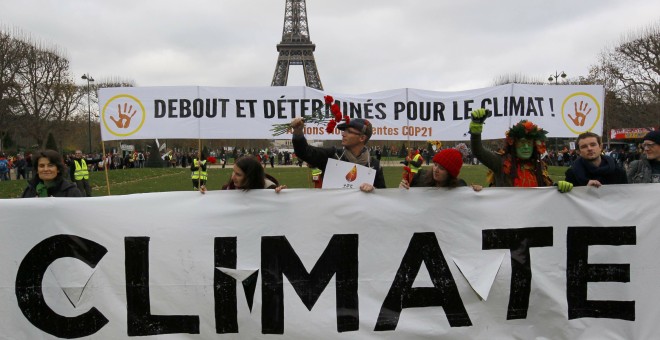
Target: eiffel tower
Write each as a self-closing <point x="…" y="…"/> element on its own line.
<point x="296" y="48"/>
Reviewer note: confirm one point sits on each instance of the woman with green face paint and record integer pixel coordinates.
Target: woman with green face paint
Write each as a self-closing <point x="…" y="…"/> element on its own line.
<point x="524" y="148"/>
<point x="520" y="165"/>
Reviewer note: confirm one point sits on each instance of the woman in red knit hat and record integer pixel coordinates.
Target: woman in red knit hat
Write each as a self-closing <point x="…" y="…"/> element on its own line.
<point x="446" y="168"/>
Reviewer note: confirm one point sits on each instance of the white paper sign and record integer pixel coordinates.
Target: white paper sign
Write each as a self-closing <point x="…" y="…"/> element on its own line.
<point x="346" y="175"/>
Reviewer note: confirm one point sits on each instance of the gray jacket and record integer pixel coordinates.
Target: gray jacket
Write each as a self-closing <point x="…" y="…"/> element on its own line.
<point x="639" y="171"/>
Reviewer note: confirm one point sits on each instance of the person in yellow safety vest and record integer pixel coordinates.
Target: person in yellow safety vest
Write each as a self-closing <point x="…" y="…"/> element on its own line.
<point x="131" y="160"/>
<point x="81" y="173"/>
<point x="199" y="174"/>
<point x="414" y="161"/>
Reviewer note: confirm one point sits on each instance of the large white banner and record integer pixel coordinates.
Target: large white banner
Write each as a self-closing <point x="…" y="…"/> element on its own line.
<point x="403" y="114"/>
<point x="334" y="264"/>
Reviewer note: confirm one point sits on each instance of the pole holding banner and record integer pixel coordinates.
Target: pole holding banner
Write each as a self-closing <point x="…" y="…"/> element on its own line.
<point x="106" y="166"/>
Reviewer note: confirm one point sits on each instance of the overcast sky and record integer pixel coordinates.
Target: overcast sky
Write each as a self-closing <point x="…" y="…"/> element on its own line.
<point x="361" y="45"/>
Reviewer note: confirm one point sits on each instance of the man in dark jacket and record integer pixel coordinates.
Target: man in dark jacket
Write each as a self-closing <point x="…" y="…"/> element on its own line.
<point x="20" y="167"/>
<point x="355" y="135"/>
<point x="593" y="168"/>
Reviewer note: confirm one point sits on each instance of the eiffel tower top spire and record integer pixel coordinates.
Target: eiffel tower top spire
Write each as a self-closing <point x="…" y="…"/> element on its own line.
<point x="295" y="23"/>
<point x="296" y="47"/>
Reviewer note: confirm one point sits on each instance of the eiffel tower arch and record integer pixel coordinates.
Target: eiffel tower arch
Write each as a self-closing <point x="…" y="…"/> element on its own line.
<point x="296" y="47"/>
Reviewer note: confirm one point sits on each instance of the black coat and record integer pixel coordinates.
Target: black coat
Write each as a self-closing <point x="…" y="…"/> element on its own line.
<point x="63" y="188"/>
<point x="607" y="173"/>
<point x="318" y="158"/>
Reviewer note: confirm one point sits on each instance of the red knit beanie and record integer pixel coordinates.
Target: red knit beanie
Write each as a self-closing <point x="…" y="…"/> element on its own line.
<point x="450" y="159"/>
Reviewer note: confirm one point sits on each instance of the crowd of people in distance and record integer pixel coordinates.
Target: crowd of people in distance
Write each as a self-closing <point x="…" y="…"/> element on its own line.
<point x="522" y="162"/>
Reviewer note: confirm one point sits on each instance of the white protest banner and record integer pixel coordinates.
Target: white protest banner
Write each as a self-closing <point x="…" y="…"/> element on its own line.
<point x="403" y="114"/>
<point x="346" y="175"/>
<point x="334" y="264"/>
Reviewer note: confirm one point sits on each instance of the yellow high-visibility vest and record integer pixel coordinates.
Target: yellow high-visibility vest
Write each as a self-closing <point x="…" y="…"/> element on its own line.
<point x="197" y="173"/>
<point x="414" y="169"/>
<point x="81" y="170"/>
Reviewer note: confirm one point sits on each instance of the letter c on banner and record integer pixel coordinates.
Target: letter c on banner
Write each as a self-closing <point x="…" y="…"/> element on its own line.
<point x="29" y="292"/>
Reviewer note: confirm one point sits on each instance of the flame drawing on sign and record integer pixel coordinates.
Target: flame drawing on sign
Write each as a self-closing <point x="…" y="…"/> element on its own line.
<point x="352" y="175"/>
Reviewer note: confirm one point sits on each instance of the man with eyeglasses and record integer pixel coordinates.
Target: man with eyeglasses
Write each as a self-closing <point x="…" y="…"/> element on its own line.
<point x="354" y="136"/>
<point x="593" y="168"/>
<point x="647" y="168"/>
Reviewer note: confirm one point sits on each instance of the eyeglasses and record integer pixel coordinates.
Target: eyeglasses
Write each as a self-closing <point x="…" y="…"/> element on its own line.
<point x="648" y="145"/>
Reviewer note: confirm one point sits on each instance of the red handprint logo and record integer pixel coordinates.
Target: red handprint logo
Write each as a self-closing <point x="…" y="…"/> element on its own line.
<point x="124" y="120"/>
<point x="581" y="113"/>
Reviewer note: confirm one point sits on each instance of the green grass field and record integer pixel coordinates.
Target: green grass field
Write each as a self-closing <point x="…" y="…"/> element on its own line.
<point x="131" y="181"/>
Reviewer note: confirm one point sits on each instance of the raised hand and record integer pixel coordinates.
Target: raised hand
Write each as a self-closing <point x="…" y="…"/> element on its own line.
<point x="478" y="118"/>
<point x="297" y="125"/>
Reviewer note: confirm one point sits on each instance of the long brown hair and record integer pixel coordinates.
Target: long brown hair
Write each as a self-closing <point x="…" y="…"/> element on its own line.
<point x="428" y="180"/>
<point x="254" y="174"/>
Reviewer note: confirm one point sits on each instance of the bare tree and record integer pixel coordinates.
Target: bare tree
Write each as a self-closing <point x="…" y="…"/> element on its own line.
<point x="44" y="81"/>
<point x="631" y="72"/>
<point x="65" y="105"/>
<point x="11" y="63"/>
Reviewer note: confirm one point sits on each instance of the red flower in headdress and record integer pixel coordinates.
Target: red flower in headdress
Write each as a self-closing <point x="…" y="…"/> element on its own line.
<point x="540" y="147"/>
<point x="525" y="129"/>
<point x="529" y="126"/>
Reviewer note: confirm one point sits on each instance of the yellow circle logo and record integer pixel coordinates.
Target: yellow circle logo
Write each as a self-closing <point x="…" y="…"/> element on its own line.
<point x="123" y="115"/>
<point x="580" y="112"/>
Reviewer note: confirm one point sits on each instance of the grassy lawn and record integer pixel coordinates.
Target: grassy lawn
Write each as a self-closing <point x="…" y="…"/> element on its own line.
<point x="130" y="181"/>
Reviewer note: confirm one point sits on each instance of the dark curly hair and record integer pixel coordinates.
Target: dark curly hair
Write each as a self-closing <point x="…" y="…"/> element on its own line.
<point x="52" y="156"/>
